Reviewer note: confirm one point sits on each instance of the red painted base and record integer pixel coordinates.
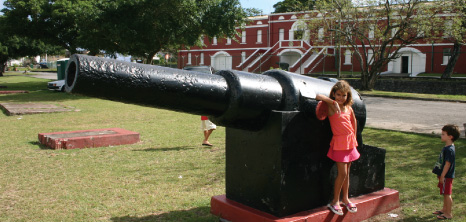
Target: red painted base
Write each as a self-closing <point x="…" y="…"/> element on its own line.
<point x="369" y="205"/>
<point x="88" y="138"/>
<point x="13" y="91"/>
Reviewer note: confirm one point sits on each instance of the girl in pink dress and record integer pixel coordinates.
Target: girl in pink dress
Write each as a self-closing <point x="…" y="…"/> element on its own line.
<point x="343" y="144"/>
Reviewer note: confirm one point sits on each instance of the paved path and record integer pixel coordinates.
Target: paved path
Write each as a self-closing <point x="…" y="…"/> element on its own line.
<point x="44" y="75"/>
<point x="413" y="115"/>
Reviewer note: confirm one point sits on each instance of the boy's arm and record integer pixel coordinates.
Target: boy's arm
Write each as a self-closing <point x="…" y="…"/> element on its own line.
<point x="445" y="170"/>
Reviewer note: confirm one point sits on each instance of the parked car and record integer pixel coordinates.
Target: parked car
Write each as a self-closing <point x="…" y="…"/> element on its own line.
<point x="58" y="85"/>
<point x="43" y="65"/>
<point x="203" y="69"/>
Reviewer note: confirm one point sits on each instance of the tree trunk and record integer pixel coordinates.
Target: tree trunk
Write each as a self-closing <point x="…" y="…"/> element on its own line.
<point x="365" y="80"/>
<point x="455" y="54"/>
<point x="150" y="57"/>
<point x="2" y="67"/>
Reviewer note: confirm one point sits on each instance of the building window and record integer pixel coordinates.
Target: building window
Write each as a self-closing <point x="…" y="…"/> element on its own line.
<point x="371" y="32"/>
<point x="298" y="35"/>
<point x="243" y="56"/>
<point x="348" y="57"/>
<point x="214" y="41"/>
<point x="243" y="37"/>
<point x="446" y="56"/>
<point x="202" y="58"/>
<point x="259" y="36"/>
<point x="228" y="41"/>
<point x="370" y="54"/>
<point x="447" y="32"/>
<point x="281" y="35"/>
<point x="394" y="31"/>
<point x="320" y="34"/>
<point x="189" y="59"/>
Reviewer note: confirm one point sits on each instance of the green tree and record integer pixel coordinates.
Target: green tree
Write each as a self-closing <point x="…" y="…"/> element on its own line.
<point x="13" y="46"/>
<point x="55" y="22"/>
<point x="139" y="28"/>
<point x="375" y="30"/>
<point x="456" y="32"/>
<point x="142" y="28"/>
<point x="294" y="6"/>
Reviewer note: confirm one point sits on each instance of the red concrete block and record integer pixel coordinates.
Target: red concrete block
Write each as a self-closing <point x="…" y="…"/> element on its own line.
<point x="88" y="138"/>
<point x="369" y="205"/>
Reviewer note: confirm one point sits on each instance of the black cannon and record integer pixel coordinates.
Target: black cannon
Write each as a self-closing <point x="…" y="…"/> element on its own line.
<point x="275" y="146"/>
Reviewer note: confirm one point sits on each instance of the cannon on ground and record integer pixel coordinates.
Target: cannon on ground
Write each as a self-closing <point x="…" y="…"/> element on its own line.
<point x="275" y="146"/>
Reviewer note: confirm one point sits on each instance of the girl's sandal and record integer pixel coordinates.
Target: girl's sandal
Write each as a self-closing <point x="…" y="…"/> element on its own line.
<point x="351" y="207"/>
<point x="443" y="217"/>
<point x="335" y="209"/>
<point x="438" y="212"/>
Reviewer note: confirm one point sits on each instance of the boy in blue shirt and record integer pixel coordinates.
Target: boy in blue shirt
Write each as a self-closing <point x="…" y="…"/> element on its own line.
<point x="445" y="170"/>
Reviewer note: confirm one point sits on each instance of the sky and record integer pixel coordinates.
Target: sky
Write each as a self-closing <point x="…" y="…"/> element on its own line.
<point x="265" y="5"/>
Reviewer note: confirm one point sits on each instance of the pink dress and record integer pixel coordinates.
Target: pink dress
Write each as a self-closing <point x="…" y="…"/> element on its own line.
<point x="343" y="144"/>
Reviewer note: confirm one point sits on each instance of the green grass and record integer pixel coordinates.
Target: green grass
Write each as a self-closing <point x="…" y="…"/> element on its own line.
<point x="168" y="176"/>
<point x="415" y="95"/>
<point x="409" y="162"/>
<point x="440" y="74"/>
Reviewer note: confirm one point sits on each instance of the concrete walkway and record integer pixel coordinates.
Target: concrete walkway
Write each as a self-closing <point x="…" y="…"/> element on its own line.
<point x="411" y="115"/>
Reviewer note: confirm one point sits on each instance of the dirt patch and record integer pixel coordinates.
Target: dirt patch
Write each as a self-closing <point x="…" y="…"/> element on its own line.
<point x="33" y="108"/>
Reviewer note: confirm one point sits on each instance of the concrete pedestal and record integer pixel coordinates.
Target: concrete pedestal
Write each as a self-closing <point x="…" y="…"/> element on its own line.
<point x="369" y="205"/>
<point x="88" y="138"/>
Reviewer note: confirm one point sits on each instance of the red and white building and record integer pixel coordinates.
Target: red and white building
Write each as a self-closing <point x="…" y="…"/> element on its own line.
<point x="276" y="40"/>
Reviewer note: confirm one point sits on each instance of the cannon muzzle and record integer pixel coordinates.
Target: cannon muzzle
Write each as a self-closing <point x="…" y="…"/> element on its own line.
<point x="231" y="98"/>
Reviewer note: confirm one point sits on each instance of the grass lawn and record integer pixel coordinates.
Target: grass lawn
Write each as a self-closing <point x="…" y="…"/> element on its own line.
<point x="414" y="95"/>
<point x="168" y="176"/>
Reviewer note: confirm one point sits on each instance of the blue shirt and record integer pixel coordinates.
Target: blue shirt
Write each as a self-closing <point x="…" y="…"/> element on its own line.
<point x="447" y="154"/>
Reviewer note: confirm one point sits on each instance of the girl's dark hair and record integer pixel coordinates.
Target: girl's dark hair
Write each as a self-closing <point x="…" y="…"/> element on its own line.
<point x="344" y="87"/>
<point x="452" y="130"/>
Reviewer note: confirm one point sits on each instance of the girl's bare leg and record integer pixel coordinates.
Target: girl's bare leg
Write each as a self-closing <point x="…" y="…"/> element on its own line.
<point x="339" y="182"/>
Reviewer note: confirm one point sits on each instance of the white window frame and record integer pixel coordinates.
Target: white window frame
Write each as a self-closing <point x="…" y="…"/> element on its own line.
<point x="348" y="58"/>
<point x="228" y="41"/>
<point x="320" y="34"/>
<point x="243" y="56"/>
<point x="371" y="32"/>
<point x="243" y="37"/>
<point x="189" y="59"/>
<point x="259" y="37"/>
<point x="202" y="59"/>
<point x="446" y="56"/>
<point x="214" y="41"/>
<point x="281" y="35"/>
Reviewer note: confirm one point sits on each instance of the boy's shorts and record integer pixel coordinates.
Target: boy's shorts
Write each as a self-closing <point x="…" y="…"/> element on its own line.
<point x="446" y="186"/>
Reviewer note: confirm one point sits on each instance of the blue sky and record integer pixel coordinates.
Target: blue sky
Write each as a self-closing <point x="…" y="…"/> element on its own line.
<point x="265" y="5"/>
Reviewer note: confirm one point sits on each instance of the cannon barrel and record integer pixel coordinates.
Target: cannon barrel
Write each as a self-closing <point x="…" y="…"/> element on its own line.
<point x="231" y="98"/>
<point x="275" y="146"/>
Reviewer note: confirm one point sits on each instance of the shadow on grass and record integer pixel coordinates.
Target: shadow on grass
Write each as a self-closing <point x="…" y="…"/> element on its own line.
<point x="167" y="149"/>
<point x="200" y="214"/>
<point x="40" y="145"/>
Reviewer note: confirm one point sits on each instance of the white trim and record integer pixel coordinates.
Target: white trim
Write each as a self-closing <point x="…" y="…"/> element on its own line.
<point x="229" y="49"/>
<point x="255" y="26"/>
<point x="290" y="50"/>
